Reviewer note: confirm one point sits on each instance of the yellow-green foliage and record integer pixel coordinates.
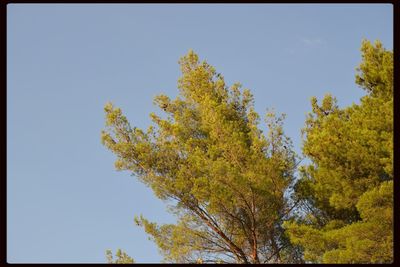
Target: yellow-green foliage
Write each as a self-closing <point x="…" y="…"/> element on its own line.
<point x="347" y="191"/>
<point x="208" y="157"/>
<point x="225" y="179"/>
<point x="122" y="257"/>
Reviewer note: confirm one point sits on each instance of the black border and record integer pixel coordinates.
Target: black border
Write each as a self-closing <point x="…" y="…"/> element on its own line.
<point x="3" y="76"/>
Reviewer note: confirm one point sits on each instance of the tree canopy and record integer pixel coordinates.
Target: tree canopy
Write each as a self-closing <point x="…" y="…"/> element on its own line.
<point x="227" y="181"/>
<point x="347" y="190"/>
<point x="224" y="178"/>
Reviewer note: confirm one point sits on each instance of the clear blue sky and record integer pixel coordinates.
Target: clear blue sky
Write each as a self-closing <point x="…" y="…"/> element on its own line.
<point x="65" y="201"/>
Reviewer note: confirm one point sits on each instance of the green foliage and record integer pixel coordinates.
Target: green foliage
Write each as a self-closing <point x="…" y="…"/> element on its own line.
<point x="122" y="257"/>
<point x="225" y="179"/>
<point x="347" y="190"/>
<point x="208" y="158"/>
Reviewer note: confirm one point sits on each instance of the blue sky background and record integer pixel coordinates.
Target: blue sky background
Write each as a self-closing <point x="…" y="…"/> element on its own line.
<point x="65" y="201"/>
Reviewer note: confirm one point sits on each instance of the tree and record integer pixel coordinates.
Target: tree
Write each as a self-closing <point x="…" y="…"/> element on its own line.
<point x="347" y="190"/>
<point x="224" y="179"/>
<point x="122" y="257"/>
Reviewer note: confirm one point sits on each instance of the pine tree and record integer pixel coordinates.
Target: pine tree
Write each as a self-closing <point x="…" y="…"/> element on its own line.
<point x="347" y="190"/>
<point x="224" y="179"/>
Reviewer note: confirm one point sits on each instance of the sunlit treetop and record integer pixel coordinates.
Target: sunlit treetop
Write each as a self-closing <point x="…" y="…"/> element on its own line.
<point x="224" y="177"/>
<point x="347" y="190"/>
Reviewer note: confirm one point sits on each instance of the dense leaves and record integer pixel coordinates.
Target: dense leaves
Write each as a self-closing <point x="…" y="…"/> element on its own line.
<point x="228" y="182"/>
<point x="225" y="178"/>
<point x="347" y="190"/>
